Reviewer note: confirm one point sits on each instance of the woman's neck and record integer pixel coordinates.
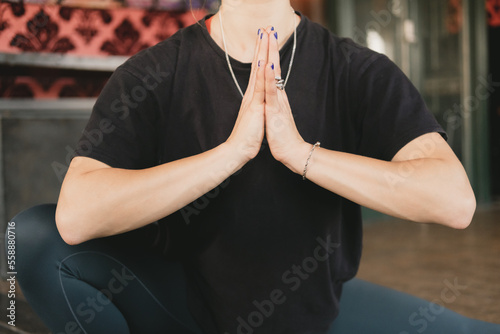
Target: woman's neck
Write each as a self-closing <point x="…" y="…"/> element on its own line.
<point x="241" y="20"/>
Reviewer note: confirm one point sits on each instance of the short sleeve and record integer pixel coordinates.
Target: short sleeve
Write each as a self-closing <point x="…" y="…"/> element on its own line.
<point x="121" y="131"/>
<point x="391" y="112"/>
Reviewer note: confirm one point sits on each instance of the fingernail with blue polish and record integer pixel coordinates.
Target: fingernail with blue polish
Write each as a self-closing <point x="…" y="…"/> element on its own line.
<point x="276" y="35"/>
<point x="272" y="28"/>
<point x="258" y="63"/>
<point x="262" y="34"/>
<point x="258" y="32"/>
<point x="272" y="66"/>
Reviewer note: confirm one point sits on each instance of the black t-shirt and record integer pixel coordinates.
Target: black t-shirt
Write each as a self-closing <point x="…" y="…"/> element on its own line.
<point x="265" y="251"/>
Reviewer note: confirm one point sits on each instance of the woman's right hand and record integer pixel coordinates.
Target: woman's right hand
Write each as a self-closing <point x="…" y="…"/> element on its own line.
<point x="248" y="131"/>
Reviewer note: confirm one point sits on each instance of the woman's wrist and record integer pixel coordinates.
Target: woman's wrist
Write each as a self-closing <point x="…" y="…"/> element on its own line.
<point x="295" y="160"/>
<point x="235" y="153"/>
<point x="298" y="157"/>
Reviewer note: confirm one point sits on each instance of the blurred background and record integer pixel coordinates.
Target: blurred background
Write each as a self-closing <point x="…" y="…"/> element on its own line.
<point x="56" y="56"/>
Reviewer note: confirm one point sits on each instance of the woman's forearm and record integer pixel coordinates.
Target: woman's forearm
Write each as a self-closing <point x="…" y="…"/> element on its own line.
<point x="98" y="201"/>
<point x="427" y="189"/>
<point x="105" y="201"/>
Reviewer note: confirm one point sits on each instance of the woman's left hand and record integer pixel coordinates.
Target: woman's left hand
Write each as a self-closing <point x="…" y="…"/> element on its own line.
<point x="285" y="142"/>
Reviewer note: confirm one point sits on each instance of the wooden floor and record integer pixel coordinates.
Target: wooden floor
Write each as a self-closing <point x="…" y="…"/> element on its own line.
<point x="414" y="258"/>
<point x="421" y="259"/>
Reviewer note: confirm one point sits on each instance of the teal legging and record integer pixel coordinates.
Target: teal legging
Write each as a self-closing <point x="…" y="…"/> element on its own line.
<point x="120" y="285"/>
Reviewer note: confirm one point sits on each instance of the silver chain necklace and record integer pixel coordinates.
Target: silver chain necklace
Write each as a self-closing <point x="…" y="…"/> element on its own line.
<point x="229" y="62"/>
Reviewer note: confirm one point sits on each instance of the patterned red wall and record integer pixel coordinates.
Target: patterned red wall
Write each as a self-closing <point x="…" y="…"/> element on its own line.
<point x="76" y="31"/>
<point x="123" y="31"/>
<point x="147" y="4"/>
<point x="493" y="7"/>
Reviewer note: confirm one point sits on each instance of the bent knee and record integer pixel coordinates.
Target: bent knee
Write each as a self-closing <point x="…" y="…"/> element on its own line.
<point x="35" y="222"/>
<point x="35" y="231"/>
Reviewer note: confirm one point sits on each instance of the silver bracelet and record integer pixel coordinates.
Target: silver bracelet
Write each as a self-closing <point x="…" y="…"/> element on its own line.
<point x="308" y="159"/>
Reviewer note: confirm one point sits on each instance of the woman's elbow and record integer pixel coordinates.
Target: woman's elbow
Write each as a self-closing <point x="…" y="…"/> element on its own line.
<point x="460" y="213"/>
<point x="467" y="212"/>
<point x="69" y="226"/>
